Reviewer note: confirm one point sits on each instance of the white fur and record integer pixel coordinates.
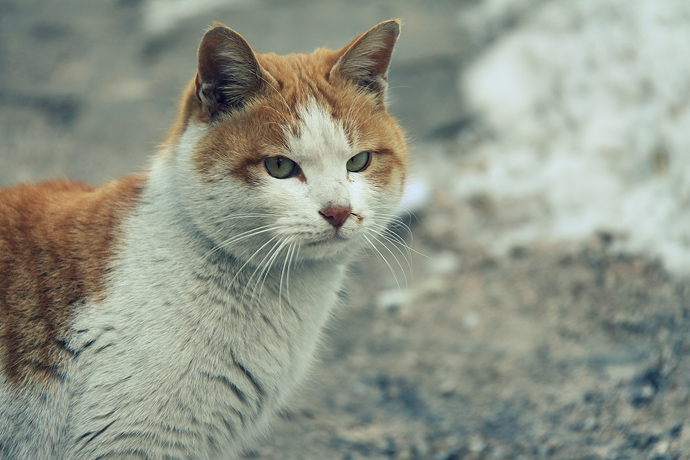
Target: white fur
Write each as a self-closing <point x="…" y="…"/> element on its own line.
<point x="200" y="339"/>
<point x="33" y="424"/>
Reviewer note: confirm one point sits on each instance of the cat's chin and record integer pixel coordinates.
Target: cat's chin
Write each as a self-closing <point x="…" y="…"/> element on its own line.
<point x="332" y="246"/>
<point x="331" y="240"/>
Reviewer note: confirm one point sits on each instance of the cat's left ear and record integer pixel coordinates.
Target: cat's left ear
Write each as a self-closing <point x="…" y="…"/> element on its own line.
<point x="228" y="74"/>
<point x="366" y="59"/>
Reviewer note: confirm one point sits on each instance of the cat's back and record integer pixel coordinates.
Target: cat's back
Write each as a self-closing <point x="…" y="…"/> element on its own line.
<point x="25" y="207"/>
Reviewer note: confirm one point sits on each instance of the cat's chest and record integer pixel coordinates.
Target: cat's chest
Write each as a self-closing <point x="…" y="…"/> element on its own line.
<point x="177" y="308"/>
<point x="207" y="349"/>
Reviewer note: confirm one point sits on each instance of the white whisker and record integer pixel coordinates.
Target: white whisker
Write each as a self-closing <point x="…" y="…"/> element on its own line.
<point x="295" y="256"/>
<point x="373" y="246"/>
<point x="242" y="236"/>
<point x="360" y="125"/>
<point x="397" y="261"/>
<point x="350" y="117"/>
<point x="276" y="111"/>
<point x="399" y="239"/>
<point x="281" y="97"/>
<point x="285" y="272"/>
<point x="397" y="222"/>
<point x="260" y="267"/>
<point x="249" y="260"/>
<point x="397" y="243"/>
<point x="256" y="215"/>
<point x="268" y="266"/>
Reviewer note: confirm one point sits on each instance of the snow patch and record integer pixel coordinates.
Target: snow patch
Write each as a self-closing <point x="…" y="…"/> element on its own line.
<point x="588" y="109"/>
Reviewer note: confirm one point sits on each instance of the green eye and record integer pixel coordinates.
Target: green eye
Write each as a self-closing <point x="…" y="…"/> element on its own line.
<point x="359" y="162"/>
<point x="281" y="167"/>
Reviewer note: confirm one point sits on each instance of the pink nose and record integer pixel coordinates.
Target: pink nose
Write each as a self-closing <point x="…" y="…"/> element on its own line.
<point x="336" y="215"/>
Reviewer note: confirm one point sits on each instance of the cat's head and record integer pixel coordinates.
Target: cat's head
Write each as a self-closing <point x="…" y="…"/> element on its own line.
<point x="290" y="153"/>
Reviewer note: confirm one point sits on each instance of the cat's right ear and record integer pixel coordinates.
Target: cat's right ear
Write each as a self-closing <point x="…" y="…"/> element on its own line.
<point x="228" y="74"/>
<point x="366" y="59"/>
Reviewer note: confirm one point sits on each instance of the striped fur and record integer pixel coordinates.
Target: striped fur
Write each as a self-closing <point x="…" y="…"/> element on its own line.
<point x="169" y="315"/>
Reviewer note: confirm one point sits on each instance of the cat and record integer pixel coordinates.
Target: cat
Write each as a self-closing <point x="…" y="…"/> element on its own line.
<point x="170" y="314"/>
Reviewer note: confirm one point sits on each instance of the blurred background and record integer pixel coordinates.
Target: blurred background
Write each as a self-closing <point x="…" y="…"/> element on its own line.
<point x="543" y="311"/>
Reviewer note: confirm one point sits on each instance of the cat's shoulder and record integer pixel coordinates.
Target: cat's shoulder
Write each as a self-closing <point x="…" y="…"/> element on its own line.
<point x="58" y="196"/>
<point x="41" y="192"/>
<point x="56" y="241"/>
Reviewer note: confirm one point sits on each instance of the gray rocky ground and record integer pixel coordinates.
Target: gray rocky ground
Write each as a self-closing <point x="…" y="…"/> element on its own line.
<point x="549" y="350"/>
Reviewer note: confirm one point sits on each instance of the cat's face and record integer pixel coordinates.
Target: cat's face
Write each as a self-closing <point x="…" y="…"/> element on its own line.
<point x="295" y="156"/>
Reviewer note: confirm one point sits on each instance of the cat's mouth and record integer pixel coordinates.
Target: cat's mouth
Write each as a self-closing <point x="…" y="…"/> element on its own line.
<point x="332" y="239"/>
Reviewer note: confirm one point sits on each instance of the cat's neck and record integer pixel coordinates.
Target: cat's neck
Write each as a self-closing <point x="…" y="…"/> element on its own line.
<point x="164" y="229"/>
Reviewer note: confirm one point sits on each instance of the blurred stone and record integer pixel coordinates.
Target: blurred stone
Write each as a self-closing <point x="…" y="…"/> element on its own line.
<point x="477" y="444"/>
<point x="443" y="263"/>
<point x="471" y="320"/>
<point x="392" y="299"/>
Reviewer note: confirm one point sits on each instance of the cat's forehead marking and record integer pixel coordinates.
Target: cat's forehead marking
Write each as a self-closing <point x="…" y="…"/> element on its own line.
<point x="318" y="134"/>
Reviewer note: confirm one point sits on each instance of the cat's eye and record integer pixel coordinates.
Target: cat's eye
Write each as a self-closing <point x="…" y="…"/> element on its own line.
<point x="359" y="162"/>
<point x="281" y="167"/>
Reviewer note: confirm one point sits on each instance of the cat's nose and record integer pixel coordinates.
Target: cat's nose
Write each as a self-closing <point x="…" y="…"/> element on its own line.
<point x="336" y="215"/>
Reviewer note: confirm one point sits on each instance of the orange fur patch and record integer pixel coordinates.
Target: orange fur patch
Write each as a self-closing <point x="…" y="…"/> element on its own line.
<point x="56" y="240"/>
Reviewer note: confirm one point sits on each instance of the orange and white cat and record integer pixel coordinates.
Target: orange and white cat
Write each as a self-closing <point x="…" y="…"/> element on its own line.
<point x="170" y="314"/>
